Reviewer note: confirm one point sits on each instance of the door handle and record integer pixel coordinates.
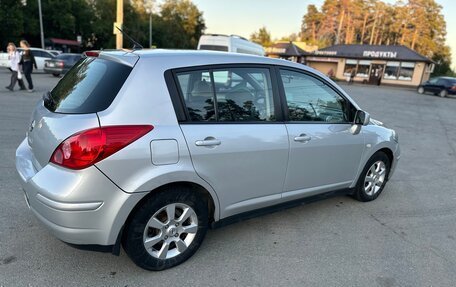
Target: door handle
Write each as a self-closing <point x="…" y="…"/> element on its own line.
<point x="209" y="141"/>
<point x="302" y="138"/>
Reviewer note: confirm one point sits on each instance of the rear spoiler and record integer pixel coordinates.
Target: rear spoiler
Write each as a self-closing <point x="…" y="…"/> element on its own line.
<point x="125" y="57"/>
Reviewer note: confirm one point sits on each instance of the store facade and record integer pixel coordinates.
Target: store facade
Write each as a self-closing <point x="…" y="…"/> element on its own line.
<point x="373" y="64"/>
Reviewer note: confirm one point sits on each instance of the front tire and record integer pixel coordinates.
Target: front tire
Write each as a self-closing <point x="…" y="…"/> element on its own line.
<point x="373" y="178"/>
<point x="167" y="229"/>
<point x="443" y="93"/>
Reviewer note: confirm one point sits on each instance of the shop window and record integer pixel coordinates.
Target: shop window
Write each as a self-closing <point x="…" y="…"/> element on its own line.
<point x="406" y="71"/>
<point x="391" y="71"/>
<point x="363" y="69"/>
<point x="350" y="65"/>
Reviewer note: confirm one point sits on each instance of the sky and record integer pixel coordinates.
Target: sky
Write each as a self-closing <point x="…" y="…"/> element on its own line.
<point x="281" y="18"/>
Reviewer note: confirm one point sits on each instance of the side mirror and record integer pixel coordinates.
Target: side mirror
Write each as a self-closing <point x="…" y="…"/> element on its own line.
<point x="361" y="118"/>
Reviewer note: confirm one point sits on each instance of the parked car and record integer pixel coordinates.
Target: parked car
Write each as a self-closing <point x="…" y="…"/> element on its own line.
<point x="441" y="86"/>
<point x="148" y="149"/>
<point x="55" y="52"/>
<point x="61" y="63"/>
<point x="4" y="60"/>
<point x="40" y="56"/>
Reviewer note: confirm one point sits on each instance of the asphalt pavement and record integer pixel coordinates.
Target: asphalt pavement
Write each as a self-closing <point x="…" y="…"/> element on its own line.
<point x="407" y="237"/>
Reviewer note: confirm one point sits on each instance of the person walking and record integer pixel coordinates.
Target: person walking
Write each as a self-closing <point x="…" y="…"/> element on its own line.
<point x="27" y="62"/>
<point x="380" y="75"/>
<point x="352" y="76"/>
<point x="14" y="59"/>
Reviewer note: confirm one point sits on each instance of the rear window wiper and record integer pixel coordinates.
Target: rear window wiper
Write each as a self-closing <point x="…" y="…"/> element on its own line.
<point x="49" y="101"/>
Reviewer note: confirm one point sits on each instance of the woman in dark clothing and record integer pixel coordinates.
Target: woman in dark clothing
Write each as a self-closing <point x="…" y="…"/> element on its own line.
<point x="27" y="62"/>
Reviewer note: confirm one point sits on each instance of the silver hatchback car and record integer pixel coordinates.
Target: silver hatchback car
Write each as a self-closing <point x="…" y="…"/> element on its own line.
<point x="148" y="149"/>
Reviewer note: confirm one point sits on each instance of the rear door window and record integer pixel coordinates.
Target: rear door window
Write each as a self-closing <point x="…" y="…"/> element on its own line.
<point x="89" y="87"/>
<point x="228" y="95"/>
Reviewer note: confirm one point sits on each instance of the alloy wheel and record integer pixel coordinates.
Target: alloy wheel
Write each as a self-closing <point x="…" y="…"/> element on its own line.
<point x="170" y="231"/>
<point x="375" y="177"/>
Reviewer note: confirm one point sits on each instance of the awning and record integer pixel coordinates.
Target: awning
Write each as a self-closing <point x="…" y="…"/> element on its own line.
<point x="372" y="52"/>
<point x="65" y="42"/>
<point x="285" y="49"/>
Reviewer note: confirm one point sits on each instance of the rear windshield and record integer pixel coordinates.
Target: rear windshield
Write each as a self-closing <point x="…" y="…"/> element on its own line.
<point x="214" y="48"/>
<point x="89" y="87"/>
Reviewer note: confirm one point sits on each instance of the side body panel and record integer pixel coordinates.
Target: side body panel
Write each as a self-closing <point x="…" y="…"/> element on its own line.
<point x="330" y="159"/>
<point x="247" y="169"/>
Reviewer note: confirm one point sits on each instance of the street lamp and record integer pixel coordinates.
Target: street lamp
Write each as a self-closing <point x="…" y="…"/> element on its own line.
<point x="150" y="27"/>
<point x="41" y="24"/>
<point x="149" y="9"/>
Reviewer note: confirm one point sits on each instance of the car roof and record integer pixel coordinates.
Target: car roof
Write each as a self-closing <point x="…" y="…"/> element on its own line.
<point x="189" y="58"/>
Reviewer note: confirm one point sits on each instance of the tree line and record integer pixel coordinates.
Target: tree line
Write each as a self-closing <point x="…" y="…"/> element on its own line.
<point x="417" y="24"/>
<point x="176" y="23"/>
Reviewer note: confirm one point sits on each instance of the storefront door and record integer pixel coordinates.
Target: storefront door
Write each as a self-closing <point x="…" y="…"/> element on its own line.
<point x="376" y="73"/>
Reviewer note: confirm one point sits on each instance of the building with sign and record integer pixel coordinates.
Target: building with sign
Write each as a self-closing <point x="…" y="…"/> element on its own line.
<point x="373" y="64"/>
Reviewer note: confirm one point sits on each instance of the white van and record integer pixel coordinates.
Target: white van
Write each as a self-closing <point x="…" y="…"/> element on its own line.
<point x="232" y="43"/>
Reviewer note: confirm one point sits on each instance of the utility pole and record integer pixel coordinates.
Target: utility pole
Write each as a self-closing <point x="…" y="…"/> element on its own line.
<point x="149" y="5"/>
<point x="119" y="23"/>
<point x="150" y="29"/>
<point x="41" y="24"/>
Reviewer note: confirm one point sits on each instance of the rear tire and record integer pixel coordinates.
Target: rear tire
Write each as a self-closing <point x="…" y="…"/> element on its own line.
<point x="166" y="229"/>
<point x="443" y="93"/>
<point x="373" y="178"/>
<point x="420" y="90"/>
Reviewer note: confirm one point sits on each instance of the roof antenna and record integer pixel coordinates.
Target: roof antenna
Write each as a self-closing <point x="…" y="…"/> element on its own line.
<point x="136" y="45"/>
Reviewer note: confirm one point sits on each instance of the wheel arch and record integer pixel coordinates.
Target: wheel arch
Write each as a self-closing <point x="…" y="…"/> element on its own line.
<point x="383" y="148"/>
<point x="212" y="205"/>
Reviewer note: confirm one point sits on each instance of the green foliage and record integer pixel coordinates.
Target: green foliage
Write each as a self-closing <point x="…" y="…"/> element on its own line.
<point x="11" y="22"/>
<point x="417" y="24"/>
<point x="179" y="23"/>
<point x="262" y="37"/>
<point x="442" y="60"/>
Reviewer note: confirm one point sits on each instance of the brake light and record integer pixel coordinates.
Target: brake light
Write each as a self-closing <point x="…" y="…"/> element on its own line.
<point x="86" y="148"/>
<point x="453" y="88"/>
<point x="61" y="64"/>
<point x="91" y="53"/>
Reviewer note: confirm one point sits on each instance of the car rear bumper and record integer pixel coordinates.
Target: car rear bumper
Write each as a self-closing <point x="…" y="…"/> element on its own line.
<point x="51" y="70"/>
<point x="79" y="207"/>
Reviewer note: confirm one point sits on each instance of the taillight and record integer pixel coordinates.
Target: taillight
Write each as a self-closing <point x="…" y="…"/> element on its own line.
<point x="88" y="147"/>
<point x="61" y="64"/>
<point x="91" y="53"/>
<point x="453" y="88"/>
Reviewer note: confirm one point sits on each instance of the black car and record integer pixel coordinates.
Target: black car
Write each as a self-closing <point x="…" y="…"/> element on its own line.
<point x="61" y="63"/>
<point x="441" y="86"/>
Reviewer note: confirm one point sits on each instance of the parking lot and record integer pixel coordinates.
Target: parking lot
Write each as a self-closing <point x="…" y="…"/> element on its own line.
<point x="407" y="237"/>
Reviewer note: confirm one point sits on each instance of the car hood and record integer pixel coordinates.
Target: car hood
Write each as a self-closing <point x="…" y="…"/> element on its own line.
<point x="377" y="122"/>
